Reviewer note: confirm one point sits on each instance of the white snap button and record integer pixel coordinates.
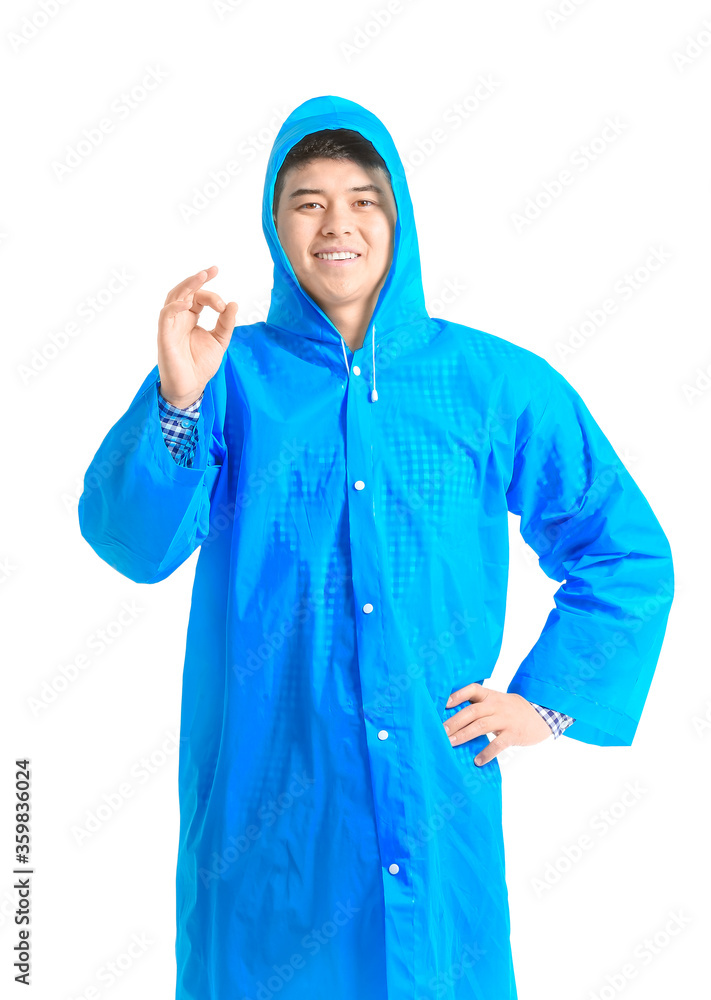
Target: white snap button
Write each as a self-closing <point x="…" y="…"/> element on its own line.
<point x="394" y="869"/>
<point x="367" y="608"/>
<point x="383" y="734"/>
<point x="359" y="484"/>
<point x="356" y="370"/>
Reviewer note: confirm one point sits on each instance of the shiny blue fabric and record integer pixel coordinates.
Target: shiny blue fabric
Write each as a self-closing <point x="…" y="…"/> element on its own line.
<point x="333" y="843"/>
<point x="180" y="434"/>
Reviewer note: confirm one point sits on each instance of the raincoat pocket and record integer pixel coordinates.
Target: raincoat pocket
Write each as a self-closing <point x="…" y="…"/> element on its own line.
<point x="465" y="752"/>
<point x="212" y="474"/>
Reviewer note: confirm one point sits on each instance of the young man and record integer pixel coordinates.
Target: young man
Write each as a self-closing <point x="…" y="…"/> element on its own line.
<point x="337" y="837"/>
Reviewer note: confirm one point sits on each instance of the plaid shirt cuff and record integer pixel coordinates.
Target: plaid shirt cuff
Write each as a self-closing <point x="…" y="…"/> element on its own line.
<point x="179" y="426"/>
<point x="556" y="720"/>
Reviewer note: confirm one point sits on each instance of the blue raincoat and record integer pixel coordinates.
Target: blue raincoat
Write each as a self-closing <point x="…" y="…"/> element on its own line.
<point x="352" y="573"/>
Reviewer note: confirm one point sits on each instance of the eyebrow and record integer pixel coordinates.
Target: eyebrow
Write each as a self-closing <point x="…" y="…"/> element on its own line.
<point x="366" y="187"/>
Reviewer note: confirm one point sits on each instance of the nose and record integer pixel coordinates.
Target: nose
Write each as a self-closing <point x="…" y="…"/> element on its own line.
<point x="336" y="220"/>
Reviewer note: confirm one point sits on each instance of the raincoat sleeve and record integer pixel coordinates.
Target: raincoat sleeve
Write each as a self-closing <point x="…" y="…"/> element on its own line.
<point x="595" y="533"/>
<point x="140" y="510"/>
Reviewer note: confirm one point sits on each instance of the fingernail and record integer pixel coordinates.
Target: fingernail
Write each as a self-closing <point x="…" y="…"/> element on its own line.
<point x="449" y="702"/>
<point x="477" y="760"/>
<point x="446" y="728"/>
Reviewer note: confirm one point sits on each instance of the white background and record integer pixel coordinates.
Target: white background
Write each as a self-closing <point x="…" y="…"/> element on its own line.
<point x="230" y="77"/>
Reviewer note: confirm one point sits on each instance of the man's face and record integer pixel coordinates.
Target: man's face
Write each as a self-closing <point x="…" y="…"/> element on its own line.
<point x="319" y="210"/>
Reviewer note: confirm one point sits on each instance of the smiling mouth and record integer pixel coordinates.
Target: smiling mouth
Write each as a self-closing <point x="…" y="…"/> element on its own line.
<point x="339" y="255"/>
<point x="337" y="259"/>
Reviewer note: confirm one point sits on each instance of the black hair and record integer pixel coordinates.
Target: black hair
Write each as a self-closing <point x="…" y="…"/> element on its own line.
<point x="329" y="144"/>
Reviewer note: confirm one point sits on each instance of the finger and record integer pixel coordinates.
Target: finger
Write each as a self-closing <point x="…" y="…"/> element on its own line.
<point x="494" y="747"/>
<point x="469" y="728"/>
<point x="464" y="717"/>
<point x="173" y="308"/>
<point x="465" y="694"/>
<point x="202" y="297"/>
<point x="191" y="284"/>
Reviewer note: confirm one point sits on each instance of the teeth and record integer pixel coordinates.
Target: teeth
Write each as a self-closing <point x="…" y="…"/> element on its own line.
<point x="337" y="256"/>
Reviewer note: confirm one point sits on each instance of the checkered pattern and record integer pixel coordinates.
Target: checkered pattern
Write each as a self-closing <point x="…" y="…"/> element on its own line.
<point x="558" y="721"/>
<point x="180" y="433"/>
<point x="180" y="428"/>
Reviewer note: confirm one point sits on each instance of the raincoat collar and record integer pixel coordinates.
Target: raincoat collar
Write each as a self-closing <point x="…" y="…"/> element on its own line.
<point x="401" y="300"/>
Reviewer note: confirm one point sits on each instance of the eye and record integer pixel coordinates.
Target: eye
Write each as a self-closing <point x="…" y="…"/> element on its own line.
<point x="361" y="201"/>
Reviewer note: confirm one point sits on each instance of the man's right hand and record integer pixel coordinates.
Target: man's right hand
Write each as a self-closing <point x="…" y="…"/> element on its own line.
<point x="188" y="355"/>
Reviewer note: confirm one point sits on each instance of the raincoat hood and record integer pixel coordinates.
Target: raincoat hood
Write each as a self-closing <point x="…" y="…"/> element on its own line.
<point x="401" y="302"/>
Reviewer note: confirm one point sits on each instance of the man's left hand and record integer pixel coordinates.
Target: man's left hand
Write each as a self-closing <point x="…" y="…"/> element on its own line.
<point x="513" y="720"/>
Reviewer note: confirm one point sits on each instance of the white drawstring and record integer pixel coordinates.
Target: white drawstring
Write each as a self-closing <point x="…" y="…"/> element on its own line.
<point x="374" y="393"/>
<point x="345" y="356"/>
